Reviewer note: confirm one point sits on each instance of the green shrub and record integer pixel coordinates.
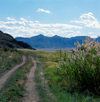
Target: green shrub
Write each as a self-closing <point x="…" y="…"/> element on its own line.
<point x="79" y="69"/>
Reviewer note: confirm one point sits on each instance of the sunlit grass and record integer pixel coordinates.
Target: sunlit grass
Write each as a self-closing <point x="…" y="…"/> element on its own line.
<point x="9" y="59"/>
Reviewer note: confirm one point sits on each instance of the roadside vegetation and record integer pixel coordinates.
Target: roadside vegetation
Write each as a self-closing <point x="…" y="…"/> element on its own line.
<point x="73" y="76"/>
<point x="8" y="59"/>
<point x="41" y="83"/>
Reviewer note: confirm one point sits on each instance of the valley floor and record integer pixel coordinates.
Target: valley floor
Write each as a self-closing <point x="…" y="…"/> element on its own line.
<point x="30" y="79"/>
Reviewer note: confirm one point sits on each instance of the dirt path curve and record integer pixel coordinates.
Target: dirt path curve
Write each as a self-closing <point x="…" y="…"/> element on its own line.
<point x="31" y="94"/>
<point x="6" y="76"/>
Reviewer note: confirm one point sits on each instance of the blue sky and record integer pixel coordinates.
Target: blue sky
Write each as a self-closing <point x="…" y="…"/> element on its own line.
<point x="50" y="17"/>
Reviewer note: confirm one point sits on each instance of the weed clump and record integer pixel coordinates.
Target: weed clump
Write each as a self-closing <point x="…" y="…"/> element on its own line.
<point x="79" y="69"/>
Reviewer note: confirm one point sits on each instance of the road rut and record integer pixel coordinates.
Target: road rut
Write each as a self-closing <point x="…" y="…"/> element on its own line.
<point x="31" y="94"/>
<point x="6" y="76"/>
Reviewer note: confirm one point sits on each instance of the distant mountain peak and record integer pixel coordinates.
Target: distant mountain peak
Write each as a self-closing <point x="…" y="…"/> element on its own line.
<point x="54" y="42"/>
<point x="56" y="36"/>
<point x="41" y="35"/>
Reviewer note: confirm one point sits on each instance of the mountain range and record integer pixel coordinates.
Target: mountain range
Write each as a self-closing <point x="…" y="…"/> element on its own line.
<point x="55" y="42"/>
<point x="7" y="41"/>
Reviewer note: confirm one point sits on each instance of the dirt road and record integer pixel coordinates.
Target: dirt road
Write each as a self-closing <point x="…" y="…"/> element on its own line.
<point x="7" y="75"/>
<point x="31" y="94"/>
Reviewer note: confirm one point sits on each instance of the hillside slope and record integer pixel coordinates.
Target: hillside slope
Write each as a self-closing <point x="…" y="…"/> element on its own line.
<point x="7" y="41"/>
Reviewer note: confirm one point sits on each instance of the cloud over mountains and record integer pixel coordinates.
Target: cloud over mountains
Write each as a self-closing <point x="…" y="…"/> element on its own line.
<point x="87" y="24"/>
<point x="88" y="20"/>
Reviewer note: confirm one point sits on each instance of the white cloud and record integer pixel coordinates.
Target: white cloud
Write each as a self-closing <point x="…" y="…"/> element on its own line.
<point x="9" y="18"/>
<point x="28" y="28"/>
<point x="88" y="20"/>
<point x="43" y="10"/>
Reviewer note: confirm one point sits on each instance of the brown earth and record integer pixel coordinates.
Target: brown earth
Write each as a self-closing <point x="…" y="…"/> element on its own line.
<point x="31" y="94"/>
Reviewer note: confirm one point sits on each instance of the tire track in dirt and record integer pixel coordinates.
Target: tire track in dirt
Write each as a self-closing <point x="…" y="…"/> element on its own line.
<point x="31" y="94"/>
<point x="6" y="76"/>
